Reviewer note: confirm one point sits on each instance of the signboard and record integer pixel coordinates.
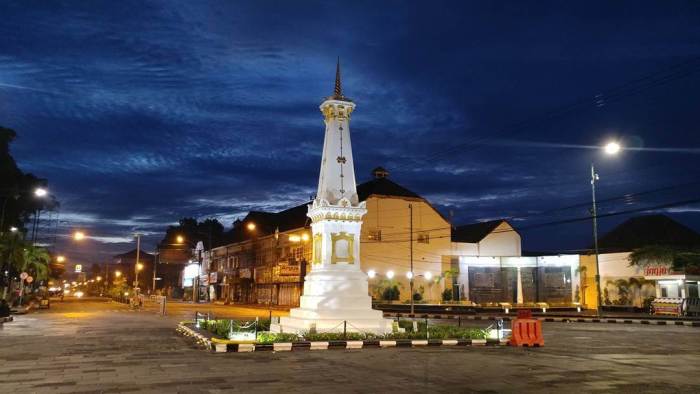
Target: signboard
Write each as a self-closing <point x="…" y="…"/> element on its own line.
<point x="289" y="270"/>
<point x="244" y="273"/>
<point x="660" y="270"/>
<point x="213" y="276"/>
<point x="30" y="279"/>
<point x="78" y="268"/>
<point x="23" y="275"/>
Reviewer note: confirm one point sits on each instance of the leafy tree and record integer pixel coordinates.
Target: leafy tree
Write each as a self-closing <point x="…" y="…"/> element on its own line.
<point x="36" y="262"/>
<point x="209" y="231"/>
<point x="686" y="259"/>
<point x="17" y="200"/>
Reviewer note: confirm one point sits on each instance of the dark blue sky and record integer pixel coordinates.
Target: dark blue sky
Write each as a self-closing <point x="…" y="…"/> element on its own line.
<point x="142" y="113"/>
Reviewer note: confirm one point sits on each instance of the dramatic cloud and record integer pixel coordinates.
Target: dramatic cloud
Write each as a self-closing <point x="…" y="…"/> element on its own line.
<point x="142" y="113"/>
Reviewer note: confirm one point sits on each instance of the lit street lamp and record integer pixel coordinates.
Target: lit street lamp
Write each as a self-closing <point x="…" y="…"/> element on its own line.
<point x="611" y="148"/>
<point x="78" y="235"/>
<point x="39" y="192"/>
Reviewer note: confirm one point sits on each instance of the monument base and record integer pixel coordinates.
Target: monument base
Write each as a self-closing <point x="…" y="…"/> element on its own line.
<point x="335" y="300"/>
<point x="377" y="325"/>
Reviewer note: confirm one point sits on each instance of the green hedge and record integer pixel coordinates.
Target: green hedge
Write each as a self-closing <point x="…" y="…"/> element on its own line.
<point x="221" y="328"/>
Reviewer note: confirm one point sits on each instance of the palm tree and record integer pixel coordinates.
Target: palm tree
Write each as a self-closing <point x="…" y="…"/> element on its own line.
<point x="36" y="262"/>
<point x="11" y="257"/>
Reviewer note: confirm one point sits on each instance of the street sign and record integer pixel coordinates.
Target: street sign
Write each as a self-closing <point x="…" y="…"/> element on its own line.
<point x="78" y="268"/>
<point x="30" y="279"/>
<point x="23" y="275"/>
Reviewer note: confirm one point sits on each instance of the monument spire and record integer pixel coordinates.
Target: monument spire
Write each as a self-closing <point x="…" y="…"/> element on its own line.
<point x="338" y="93"/>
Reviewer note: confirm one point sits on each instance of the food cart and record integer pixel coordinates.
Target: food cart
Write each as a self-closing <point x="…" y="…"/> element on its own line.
<point x="676" y="292"/>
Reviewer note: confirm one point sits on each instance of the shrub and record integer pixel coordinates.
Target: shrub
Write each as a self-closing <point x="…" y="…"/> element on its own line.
<point x="417" y="296"/>
<point x="391" y="293"/>
<point x="334" y="336"/>
<point x="266" y="337"/>
<point x="447" y="295"/>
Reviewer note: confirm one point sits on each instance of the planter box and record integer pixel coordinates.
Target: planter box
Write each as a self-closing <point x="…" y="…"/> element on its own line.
<point x="282" y="347"/>
<point x="318" y="346"/>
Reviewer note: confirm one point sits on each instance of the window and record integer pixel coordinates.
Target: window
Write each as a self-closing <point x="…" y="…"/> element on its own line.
<point x="297" y="253"/>
<point x="423" y="238"/>
<point x="374" y="235"/>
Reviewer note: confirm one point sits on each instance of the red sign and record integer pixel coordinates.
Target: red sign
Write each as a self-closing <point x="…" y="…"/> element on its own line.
<point x="661" y="271"/>
<point x="656" y="271"/>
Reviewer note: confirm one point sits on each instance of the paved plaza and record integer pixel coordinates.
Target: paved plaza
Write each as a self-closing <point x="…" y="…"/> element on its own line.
<point x="98" y="346"/>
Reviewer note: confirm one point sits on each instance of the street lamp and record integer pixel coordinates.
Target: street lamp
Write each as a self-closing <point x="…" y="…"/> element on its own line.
<point x="611" y="148"/>
<point x="78" y="235"/>
<point x="39" y="192"/>
<point x="60" y="259"/>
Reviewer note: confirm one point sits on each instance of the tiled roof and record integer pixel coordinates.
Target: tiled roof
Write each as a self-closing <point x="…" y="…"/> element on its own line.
<point x="648" y="230"/>
<point x="295" y="217"/>
<point x="383" y="187"/>
<point x="474" y="233"/>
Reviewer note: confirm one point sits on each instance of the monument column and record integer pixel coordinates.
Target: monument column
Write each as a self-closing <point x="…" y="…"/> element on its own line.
<point x="336" y="290"/>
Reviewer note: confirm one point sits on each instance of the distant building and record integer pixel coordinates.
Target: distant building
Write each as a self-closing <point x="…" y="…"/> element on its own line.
<point x="624" y="284"/>
<point x="270" y="254"/>
<point x="125" y="263"/>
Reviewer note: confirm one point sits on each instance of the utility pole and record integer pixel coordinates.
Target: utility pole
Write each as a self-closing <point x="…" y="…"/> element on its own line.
<point x="138" y="255"/>
<point x="594" y="213"/>
<point x="410" y="280"/>
<point x="155" y="264"/>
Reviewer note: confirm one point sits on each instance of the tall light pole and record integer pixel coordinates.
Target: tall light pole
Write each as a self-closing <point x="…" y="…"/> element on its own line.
<point x="137" y="263"/>
<point x="410" y="277"/>
<point x="611" y="148"/>
<point x="39" y="192"/>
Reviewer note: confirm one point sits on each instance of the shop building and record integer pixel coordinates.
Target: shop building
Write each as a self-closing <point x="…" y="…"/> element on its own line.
<point x="626" y="285"/>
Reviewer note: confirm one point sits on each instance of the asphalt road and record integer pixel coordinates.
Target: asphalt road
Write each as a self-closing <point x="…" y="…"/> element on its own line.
<point x="95" y="346"/>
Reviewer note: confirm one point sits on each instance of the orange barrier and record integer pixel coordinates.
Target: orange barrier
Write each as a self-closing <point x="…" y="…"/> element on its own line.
<point x="526" y="332"/>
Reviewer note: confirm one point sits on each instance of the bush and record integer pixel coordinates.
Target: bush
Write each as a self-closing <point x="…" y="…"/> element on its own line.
<point x="267" y="338"/>
<point x="391" y="293"/>
<point x="417" y="296"/>
<point x="437" y="332"/>
<point x="447" y="295"/>
<point x="334" y="336"/>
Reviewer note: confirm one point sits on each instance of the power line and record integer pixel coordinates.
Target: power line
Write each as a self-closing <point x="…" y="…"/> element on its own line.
<point x="579" y="205"/>
<point x="617" y="93"/>
<point x="573" y="220"/>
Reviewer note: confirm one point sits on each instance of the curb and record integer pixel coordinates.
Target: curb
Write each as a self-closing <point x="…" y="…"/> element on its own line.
<point x="554" y="319"/>
<point x="218" y="347"/>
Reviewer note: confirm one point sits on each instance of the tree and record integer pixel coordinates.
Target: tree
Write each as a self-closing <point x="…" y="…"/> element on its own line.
<point x="17" y="200"/>
<point x="11" y="256"/>
<point x="209" y="231"/>
<point x="685" y="259"/>
<point x="36" y="262"/>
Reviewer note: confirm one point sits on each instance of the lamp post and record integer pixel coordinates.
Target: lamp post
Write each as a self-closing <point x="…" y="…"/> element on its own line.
<point x="410" y="277"/>
<point x="39" y="192"/>
<point x="611" y="148"/>
<point x="137" y="263"/>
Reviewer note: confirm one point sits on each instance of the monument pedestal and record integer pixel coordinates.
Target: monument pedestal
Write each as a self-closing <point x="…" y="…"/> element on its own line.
<point x="335" y="299"/>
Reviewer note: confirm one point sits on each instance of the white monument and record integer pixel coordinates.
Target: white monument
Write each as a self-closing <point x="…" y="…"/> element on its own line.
<point x="336" y="290"/>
